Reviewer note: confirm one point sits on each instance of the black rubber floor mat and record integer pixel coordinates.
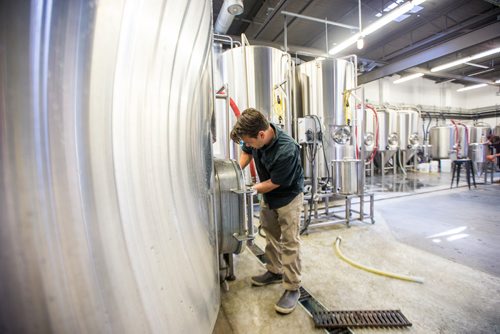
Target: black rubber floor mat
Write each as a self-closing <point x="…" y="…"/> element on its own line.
<point x="343" y="319"/>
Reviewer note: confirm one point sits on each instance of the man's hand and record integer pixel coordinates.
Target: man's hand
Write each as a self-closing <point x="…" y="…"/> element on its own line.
<point x="491" y="157"/>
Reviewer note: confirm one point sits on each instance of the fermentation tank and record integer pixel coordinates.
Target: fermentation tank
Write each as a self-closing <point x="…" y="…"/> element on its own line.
<point x="107" y="222"/>
<point x="388" y="129"/>
<point x="388" y="137"/>
<point x="444" y="141"/>
<point x="477" y="153"/>
<point x="370" y="130"/>
<point x="408" y="123"/>
<point x="323" y="94"/>
<point x="497" y="130"/>
<point x="257" y="77"/>
<point x="479" y="133"/>
<point x="321" y="87"/>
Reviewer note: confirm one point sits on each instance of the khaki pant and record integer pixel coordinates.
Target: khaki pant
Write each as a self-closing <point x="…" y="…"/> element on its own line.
<point x="282" y="227"/>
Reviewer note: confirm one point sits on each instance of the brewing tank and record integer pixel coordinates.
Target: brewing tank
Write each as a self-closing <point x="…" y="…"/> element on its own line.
<point x="257" y="77"/>
<point x="479" y="133"/>
<point x="370" y="130"/>
<point x="106" y="201"/>
<point x="321" y="90"/>
<point x="445" y="139"/>
<point x="478" y="152"/>
<point x="388" y="129"/>
<point x="408" y="122"/>
<point x="496" y="132"/>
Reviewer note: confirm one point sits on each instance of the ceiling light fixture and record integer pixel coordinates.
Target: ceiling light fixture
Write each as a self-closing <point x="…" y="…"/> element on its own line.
<point x="498" y="81"/>
<point x="235" y="7"/>
<point x="476" y="65"/>
<point x="471" y="87"/>
<point x="408" y="78"/>
<point x="407" y="6"/>
<point x="465" y="60"/>
<point x="360" y="44"/>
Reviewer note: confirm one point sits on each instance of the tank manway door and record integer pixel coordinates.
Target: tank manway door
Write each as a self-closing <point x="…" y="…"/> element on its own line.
<point x="232" y="213"/>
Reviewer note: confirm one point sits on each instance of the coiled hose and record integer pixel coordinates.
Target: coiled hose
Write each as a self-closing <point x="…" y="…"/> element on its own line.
<point x="373" y="270"/>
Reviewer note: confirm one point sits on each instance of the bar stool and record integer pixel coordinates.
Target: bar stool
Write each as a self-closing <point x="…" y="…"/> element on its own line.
<point x="456" y="165"/>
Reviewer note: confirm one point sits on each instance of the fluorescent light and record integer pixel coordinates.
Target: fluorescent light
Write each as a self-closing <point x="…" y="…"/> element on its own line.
<point x="388" y="18"/>
<point x="390" y="7"/>
<point x="360" y="44"/>
<point x="400" y="10"/>
<point x="408" y="77"/>
<point x="485" y="53"/>
<point x="465" y="60"/>
<point x="498" y="81"/>
<point x="476" y="65"/>
<point x="471" y="87"/>
<point x="345" y="44"/>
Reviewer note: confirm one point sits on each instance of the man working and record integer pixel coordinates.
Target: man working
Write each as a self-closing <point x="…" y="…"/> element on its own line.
<point x="277" y="158"/>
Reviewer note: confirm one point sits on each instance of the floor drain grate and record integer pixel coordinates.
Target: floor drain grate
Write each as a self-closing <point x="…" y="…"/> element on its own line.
<point x="343" y="319"/>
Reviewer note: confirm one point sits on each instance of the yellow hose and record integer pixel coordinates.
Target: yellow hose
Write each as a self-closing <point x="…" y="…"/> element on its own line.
<point x="373" y="270"/>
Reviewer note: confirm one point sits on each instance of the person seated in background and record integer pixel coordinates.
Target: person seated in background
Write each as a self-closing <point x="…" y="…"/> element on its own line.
<point x="494" y="143"/>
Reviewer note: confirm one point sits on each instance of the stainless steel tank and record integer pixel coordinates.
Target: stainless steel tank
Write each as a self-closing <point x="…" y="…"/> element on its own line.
<point x="444" y="141"/>
<point x="106" y="202"/>
<point x="348" y="176"/>
<point x="257" y="78"/>
<point x="496" y="132"/>
<point x="321" y="87"/>
<point x="477" y="153"/>
<point x="408" y="123"/>
<point x="229" y="205"/>
<point x="479" y="133"/>
<point x="370" y="130"/>
<point x="388" y="129"/>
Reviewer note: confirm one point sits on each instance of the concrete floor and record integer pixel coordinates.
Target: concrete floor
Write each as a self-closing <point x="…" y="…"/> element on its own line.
<point x="461" y="292"/>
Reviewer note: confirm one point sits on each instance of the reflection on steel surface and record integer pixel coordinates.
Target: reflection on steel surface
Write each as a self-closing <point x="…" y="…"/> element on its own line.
<point x="106" y="169"/>
<point x="321" y="87"/>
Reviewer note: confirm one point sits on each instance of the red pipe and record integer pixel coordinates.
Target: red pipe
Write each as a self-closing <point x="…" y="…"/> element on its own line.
<point x="457" y="141"/>
<point x="237" y="113"/>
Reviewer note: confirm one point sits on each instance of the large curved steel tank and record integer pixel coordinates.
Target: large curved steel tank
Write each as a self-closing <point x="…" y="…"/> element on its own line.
<point x="257" y="77"/>
<point x="106" y="168"/>
<point x="321" y="87"/>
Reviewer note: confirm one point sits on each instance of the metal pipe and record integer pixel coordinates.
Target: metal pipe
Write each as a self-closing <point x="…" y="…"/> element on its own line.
<point x="284" y="12"/>
<point x="244" y="43"/>
<point x="285" y="39"/>
<point x="224" y="19"/>
<point x="226" y="38"/>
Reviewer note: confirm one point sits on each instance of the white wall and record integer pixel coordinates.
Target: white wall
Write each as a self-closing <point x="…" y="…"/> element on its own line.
<point x="423" y="91"/>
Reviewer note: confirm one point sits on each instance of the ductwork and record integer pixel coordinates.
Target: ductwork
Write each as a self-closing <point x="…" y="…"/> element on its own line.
<point x="230" y="8"/>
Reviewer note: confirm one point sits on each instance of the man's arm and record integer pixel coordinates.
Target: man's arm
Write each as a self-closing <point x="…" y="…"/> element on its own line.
<point x="492" y="157"/>
<point x="245" y="159"/>
<point x="265" y="187"/>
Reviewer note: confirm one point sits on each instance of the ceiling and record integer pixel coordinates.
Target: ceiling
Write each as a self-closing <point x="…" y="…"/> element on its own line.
<point x="442" y="31"/>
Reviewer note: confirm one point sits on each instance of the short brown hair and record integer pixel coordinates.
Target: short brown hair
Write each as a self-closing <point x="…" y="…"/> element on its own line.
<point x="250" y="123"/>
